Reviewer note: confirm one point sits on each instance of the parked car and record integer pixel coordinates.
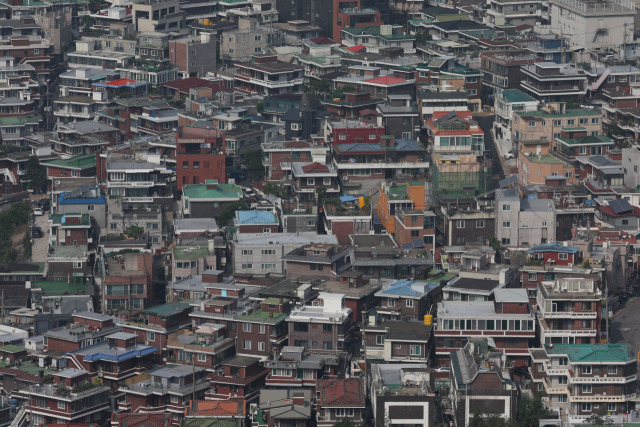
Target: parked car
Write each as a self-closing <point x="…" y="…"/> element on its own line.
<point x="238" y="175"/>
<point x="38" y="211"/>
<point x="509" y="155"/>
<point x="36" y="232"/>
<point x="45" y="204"/>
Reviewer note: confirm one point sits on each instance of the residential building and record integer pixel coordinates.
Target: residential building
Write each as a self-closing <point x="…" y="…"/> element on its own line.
<point x="115" y="359"/>
<point x="189" y="261"/>
<point x="128" y="282"/>
<point x="208" y="199"/>
<point x="192" y="55"/>
<point x="593" y="24"/>
<point x="396" y="197"/>
<point x="397" y="341"/>
<point x="70" y="229"/>
<point x="256" y="221"/>
<point x="265" y="75"/>
<point x="249" y="39"/>
<point x="212" y="346"/>
<point x="502" y="70"/>
<point x="554" y="254"/>
<point x="339" y="399"/>
<point x="315" y="260"/>
<point x="326" y="326"/>
<point x="71" y="397"/>
<point x="157" y="323"/>
<point x="278" y="156"/>
<point x="295" y="368"/>
<point x="346" y="131"/>
<point x="284" y="406"/>
<point x="459" y="178"/>
<point x="430" y="102"/>
<point x="86" y="329"/>
<point x="399" y="116"/>
<point x="620" y="214"/>
<point x="466" y="226"/>
<point x="568" y="311"/>
<point x="455" y="131"/>
<point x="199" y="156"/>
<point x="240" y="378"/>
<point x="157" y="16"/>
<point x="507" y="103"/>
<point x="258" y="329"/>
<point x="508" y="320"/>
<point x="308" y="178"/>
<point x="474" y="390"/>
<point x="346" y="218"/>
<point x="524" y="222"/>
<point x="405" y="300"/>
<point x="415" y="399"/>
<point x="536" y="165"/>
<point x="168" y="387"/>
<point x="376" y="37"/>
<point x="551" y="82"/>
<point x="501" y="13"/>
<point x="547" y="124"/>
<point x="377" y="82"/>
<point x="582" y="379"/>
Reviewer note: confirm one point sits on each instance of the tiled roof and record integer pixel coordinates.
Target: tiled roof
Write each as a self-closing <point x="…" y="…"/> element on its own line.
<point x="553" y="247"/>
<point x="315" y="167"/>
<point x="386" y="80"/>
<point x="347" y="392"/>
<point x="225" y="408"/>
<point x="606" y="210"/>
<point x="166" y="310"/>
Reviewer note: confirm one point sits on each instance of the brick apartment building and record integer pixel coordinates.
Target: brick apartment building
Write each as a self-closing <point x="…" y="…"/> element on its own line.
<point x="199" y="156"/>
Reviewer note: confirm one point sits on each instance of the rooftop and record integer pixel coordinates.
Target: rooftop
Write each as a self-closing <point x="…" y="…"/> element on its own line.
<point x="589" y="353"/>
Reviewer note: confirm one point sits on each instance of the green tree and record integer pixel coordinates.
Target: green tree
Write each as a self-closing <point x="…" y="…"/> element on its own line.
<point x="134" y="231"/>
<point x="36" y="174"/>
<point x="260" y="107"/>
<point x="229" y="211"/>
<point x="600" y="418"/>
<point x="345" y="422"/>
<point x="253" y="161"/>
<point x="320" y="87"/>
<point x="422" y="37"/>
<point x="531" y="411"/>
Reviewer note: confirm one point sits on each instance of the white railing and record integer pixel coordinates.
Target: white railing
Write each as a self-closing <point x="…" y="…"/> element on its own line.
<point x="603" y="379"/>
<point x="568" y="314"/>
<point x="602" y="398"/>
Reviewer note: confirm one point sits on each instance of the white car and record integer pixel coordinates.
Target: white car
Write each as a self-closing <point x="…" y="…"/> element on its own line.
<point x="509" y="155"/>
<point x="38" y="211"/>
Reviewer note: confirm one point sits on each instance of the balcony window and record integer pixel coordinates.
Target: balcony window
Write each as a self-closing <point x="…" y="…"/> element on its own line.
<point x="415" y="350"/>
<point x="379" y="339"/>
<point x="202" y="357"/>
<point x="311" y="181"/>
<point x="586" y="369"/>
<point x="612" y="370"/>
<point x="586" y="388"/>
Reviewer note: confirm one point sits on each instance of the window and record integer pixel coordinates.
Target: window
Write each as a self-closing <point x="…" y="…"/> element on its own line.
<point x="543" y="224"/>
<point x="77" y="264"/>
<point x="326" y="181"/>
<point x="563" y="256"/>
<point x="344" y="412"/>
<point x="506" y="207"/>
<point x="472" y="92"/>
<point x="533" y="277"/>
<point x="372" y="136"/>
<point x="151" y="336"/>
<point x="611" y="407"/>
<point x="586" y="406"/>
<point x="506" y="224"/>
<point x="261" y="346"/>
<point x="379" y="339"/>
<point x="460" y="223"/>
<point x="246" y="344"/>
<point x="415" y="350"/>
<point x="406" y="135"/>
<point x="562" y="398"/>
<point x="246" y="327"/>
<point x="91" y="208"/>
<point x="595" y="121"/>
<point x="532" y="124"/>
<point x="571" y="122"/>
<point x="311" y="181"/>
<point x="246" y="266"/>
<point x="62" y="405"/>
<point x="409" y="303"/>
<point x="557" y="122"/>
<point x="506" y="241"/>
<point x="268" y="252"/>
<point x="281" y="372"/>
<point x="563" y="361"/>
<point x="612" y="370"/>
<point x="586" y="388"/>
<point x="296" y="126"/>
<point x="258" y="38"/>
<point x="391" y="302"/>
<point x="196" y="165"/>
<point x="479" y="223"/>
<point x="174" y="398"/>
<point x="327" y="328"/>
<point x="342" y="136"/>
<point x="266" y="230"/>
<point x="247" y="252"/>
<point x="268" y="266"/>
<point x="185" y="165"/>
<point x="586" y="369"/>
<point x="202" y="357"/>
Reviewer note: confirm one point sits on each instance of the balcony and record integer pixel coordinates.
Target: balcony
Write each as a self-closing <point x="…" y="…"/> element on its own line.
<point x="603" y="380"/>
<point x="568" y="332"/>
<point x="148" y="388"/>
<point x="379" y="164"/>
<point x="569" y="314"/>
<point x="602" y="398"/>
<point x="272" y="84"/>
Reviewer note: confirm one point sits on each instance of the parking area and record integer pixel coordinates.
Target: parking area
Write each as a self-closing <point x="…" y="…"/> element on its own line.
<point x="624" y="325"/>
<point x="41" y="244"/>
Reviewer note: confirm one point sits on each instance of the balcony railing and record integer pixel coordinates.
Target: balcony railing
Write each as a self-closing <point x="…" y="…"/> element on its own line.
<point x="570" y="314"/>
<point x="602" y="398"/>
<point x="603" y="379"/>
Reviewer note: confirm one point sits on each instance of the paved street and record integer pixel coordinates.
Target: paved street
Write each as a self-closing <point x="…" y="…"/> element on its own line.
<point x="624" y="326"/>
<point x="40" y="244"/>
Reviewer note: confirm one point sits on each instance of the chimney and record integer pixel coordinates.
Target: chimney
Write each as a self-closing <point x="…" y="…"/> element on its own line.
<point x="298" y="399"/>
<point x="212" y="276"/>
<point x="212" y="184"/>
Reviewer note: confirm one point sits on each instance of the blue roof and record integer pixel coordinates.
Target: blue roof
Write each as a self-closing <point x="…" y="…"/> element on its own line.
<point x="408" y="288"/>
<point x="553" y="247"/>
<point x="101" y="351"/>
<point x="68" y="198"/>
<point x="255" y="217"/>
<point x="347" y="198"/>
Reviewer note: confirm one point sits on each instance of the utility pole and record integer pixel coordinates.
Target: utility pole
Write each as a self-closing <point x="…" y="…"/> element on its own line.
<point x="193" y="378"/>
<point x="606" y="296"/>
<point x="624" y="43"/>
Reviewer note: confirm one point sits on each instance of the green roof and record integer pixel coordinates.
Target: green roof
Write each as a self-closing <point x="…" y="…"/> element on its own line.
<point x="60" y="219"/>
<point x="84" y="161"/>
<point x="57" y="288"/>
<point x="515" y="95"/>
<point x="142" y="102"/>
<point x="374" y="31"/>
<point x="546" y="158"/>
<point x="180" y="253"/>
<point x="589" y="139"/>
<point x="262" y="317"/>
<point x="601" y="353"/>
<point x="453" y="17"/>
<point x="575" y="129"/>
<point x="170" y="309"/>
<point x="222" y="191"/>
<point x="12" y="348"/>
<point x="17" y="121"/>
<point x="568" y="113"/>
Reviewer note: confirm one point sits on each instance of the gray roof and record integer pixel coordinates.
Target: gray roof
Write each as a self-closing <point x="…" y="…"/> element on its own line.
<point x="280" y="405"/>
<point x="89" y="126"/>
<point x="93" y="316"/>
<point x="122" y="336"/>
<point x="71" y="373"/>
<point x="189" y="225"/>
<point x="282" y="238"/>
<point x="171" y="371"/>
<point x="511" y="295"/>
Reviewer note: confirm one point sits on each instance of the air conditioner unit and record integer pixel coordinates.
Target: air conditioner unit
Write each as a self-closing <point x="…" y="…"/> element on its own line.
<point x="570" y="264"/>
<point x="146" y="343"/>
<point x="345" y="179"/>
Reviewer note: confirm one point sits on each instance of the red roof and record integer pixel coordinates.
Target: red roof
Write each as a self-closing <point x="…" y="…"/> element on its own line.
<point x="386" y="80"/>
<point x="347" y="392"/>
<point x="606" y="210"/>
<point x="120" y="82"/>
<point x="128" y="419"/>
<point x="461" y="114"/>
<point x="356" y="49"/>
<point x="368" y="112"/>
<point x="323" y="40"/>
<point x="216" y="408"/>
<point x="185" y="85"/>
<point x="315" y="167"/>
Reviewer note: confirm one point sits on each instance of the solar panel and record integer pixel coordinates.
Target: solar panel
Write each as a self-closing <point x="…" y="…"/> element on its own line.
<point x="620" y="206"/>
<point x="447" y="116"/>
<point x="511" y="180"/>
